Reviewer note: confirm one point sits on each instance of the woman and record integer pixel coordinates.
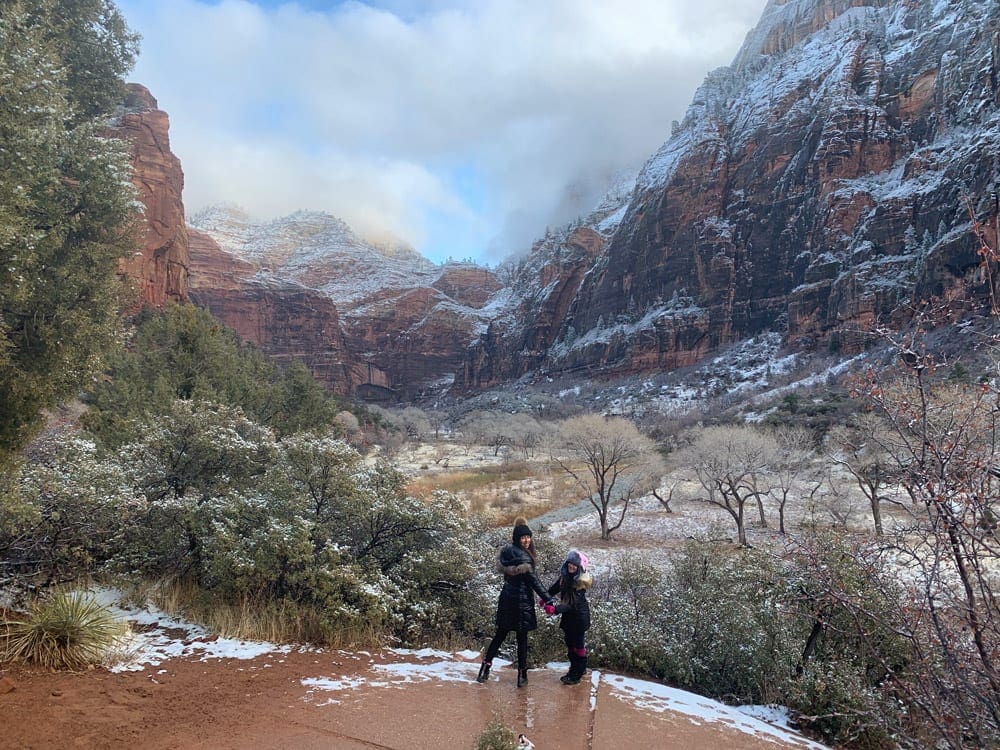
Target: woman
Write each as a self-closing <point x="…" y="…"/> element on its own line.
<point x="572" y="585"/>
<point x="516" y="606"/>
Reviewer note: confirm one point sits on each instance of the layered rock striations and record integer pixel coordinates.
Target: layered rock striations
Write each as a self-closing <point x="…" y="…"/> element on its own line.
<point x="825" y="181"/>
<point x="821" y="183"/>
<point x="403" y="323"/>
<point x="160" y="268"/>
<point x="284" y="320"/>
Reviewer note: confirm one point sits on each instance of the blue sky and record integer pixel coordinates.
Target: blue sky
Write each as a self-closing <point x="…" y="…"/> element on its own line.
<point x="462" y="127"/>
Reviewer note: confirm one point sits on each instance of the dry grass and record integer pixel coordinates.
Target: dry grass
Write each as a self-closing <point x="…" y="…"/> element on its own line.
<point x="255" y="619"/>
<point x="501" y="491"/>
<point x="467" y="480"/>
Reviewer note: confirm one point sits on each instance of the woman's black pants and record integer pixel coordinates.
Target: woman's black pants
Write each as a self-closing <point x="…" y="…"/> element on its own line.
<point x="522" y="646"/>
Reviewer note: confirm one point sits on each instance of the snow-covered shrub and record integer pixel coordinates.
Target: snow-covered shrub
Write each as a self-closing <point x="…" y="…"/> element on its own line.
<point x="855" y="657"/>
<point x="62" y="513"/>
<point x="496" y="736"/>
<point x="626" y="603"/>
<point x="725" y="631"/>
<point x="187" y="466"/>
<point x="301" y="528"/>
<point x="434" y="577"/>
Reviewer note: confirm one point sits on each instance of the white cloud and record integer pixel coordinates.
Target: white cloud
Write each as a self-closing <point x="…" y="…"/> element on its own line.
<point x="368" y="111"/>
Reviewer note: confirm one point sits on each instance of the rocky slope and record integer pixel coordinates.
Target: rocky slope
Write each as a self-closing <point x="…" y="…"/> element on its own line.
<point x="828" y="179"/>
<point x="539" y="289"/>
<point x="820" y="183"/>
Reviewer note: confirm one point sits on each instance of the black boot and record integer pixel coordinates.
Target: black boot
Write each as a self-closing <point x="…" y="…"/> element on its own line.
<point x="484" y="671"/>
<point x="569" y="673"/>
<point x="522" y="676"/>
<point x="577" y="666"/>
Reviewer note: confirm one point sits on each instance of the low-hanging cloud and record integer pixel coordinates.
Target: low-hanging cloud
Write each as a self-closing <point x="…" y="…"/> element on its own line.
<point x="369" y="110"/>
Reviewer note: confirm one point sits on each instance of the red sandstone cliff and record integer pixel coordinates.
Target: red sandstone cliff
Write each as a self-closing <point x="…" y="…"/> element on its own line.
<point x="386" y="322"/>
<point x="815" y="186"/>
<point x="161" y="268"/>
<point x="286" y="321"/>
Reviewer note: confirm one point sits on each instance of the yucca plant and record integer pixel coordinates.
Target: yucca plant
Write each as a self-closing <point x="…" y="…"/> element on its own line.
<point x="65" y="630"/>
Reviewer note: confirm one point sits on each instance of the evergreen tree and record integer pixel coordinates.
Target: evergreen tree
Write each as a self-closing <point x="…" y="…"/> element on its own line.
<point x="67" y="205"/>
<point x="183" y="353"/>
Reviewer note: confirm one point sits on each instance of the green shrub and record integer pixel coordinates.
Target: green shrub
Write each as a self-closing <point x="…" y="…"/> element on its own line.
<point x="66" y="630"/>
<point x="184" y="353"/>
<point x="496" y="736"/>
<point x="627" y="631"/>
<point x="61" y="514"/>
<point x="834" y="700"/>
<point x="725" y="631"/>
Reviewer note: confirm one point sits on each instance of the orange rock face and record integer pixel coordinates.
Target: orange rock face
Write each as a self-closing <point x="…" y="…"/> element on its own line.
<point x="815" y="188"/>
<point x="161" y="267"/>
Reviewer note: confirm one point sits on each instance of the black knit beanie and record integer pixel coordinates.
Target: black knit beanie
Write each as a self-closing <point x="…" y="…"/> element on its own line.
<point x="520" y="529"/>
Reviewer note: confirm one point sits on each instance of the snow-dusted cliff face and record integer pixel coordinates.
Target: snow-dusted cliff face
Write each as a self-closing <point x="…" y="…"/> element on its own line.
<point x="318" y="251"/>
<point x="821" y="182"/>
<point x="539" y="287"/>
<point x="399" y="323"/>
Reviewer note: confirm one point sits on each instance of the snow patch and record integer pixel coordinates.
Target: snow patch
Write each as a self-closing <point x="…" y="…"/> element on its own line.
<point x="654" y="697"/>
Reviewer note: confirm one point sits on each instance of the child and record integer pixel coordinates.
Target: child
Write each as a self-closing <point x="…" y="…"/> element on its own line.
<point x="574" y="580"/>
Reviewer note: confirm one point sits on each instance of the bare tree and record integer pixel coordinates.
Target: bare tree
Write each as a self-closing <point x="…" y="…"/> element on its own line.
<point x="860" y="448"/>
<point x="611" y="462"/>
<point x="827" y="490"/>
<point x="791" y="459"/>
<point x="731" y="464"/>
<point x="526" y="433"/>
<point x="488" y="428"/>
<point x="347" y="422"/>
<point x="415" y="422"/>
<point x="944" y="442"/>
<point x="666" y="495"/>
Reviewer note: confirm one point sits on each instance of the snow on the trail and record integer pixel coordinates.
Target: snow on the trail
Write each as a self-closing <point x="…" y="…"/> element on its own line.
<point x="160" y="637"/>
<point x="163" y="637"/>
<point x="653" y="696"/>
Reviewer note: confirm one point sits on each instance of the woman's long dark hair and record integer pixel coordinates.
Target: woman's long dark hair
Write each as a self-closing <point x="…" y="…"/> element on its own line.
<point x="522" y="521"/>
<point x="566" y="586"/>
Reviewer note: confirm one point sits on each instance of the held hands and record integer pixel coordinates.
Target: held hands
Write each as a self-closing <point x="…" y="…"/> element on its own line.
<point x="550" y="609"/>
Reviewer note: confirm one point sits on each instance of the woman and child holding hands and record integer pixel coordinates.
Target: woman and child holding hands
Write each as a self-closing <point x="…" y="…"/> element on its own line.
<point x="516" y="605"/>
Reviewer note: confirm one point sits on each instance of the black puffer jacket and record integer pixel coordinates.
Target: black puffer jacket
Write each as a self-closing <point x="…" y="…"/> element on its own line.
<point x="516" y="606"/>
<point x="573" y="604"/>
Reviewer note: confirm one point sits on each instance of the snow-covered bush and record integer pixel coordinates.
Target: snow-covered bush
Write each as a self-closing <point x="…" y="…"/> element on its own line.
<point x="627" y="633"/>
<point x="835" y="700"/>
<point x="301" y="527"/>
<point x="725" y="630"/>
<point x="434" y="574"/>
<point x="61" y="513"/>
<point x="743" y="626"/>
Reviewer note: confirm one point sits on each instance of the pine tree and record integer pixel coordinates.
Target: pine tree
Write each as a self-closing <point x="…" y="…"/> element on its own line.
<point x="67" y="204"/>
